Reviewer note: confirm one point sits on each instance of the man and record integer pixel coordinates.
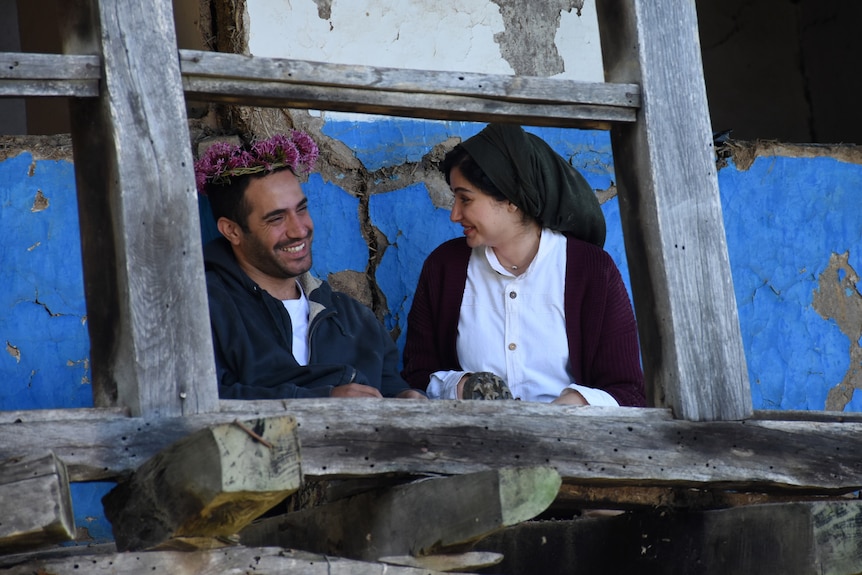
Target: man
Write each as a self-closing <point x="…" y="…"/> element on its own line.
<point x="279" y="332"/>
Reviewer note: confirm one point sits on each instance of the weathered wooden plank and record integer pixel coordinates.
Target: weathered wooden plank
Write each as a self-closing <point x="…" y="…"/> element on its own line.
<point x="671" y="213"/>
<point x="28" y="74"/>
<point x="455" y="511"/>
<point x="633" y="447"/>
<point x="270" y="560"/>
<point x="277" y="82"/>
<point x="439" y="107"/>
<point x="243" y="68"/>
<point x="35" y="503"/>
<point x="150" y="342"/>
<point x="26" y="88"/>
<point x="458" y="562"/>
<point x="70" y="414"/>
<point x="801" y="538"/>
<point x="788" y="538"/>
<point x="574" y="497"/>
<point x="210" y="484"/>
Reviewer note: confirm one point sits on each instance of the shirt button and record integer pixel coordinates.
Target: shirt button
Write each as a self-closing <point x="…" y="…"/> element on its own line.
<point x="513" y="346"/>
<point x="513" y="294"/>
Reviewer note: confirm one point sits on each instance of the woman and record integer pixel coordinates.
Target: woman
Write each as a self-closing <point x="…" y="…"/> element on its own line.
<point x="527" y="304"/>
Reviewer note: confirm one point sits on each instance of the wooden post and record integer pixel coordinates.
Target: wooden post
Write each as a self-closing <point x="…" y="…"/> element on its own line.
<point x="35" y="503"/>
<point x="671" y="213"/>
<point x="424" y="517"/>
<point x="150" y="341"/>
<point x="208" y="485"/>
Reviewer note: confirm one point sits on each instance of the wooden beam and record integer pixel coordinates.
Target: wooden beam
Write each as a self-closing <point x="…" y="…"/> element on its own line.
<point x="816" y="538"/>
<point x="211" y="562"/>
<point x="28" y="74"/>
<point x="150" y="342"/>
<point x="671" y="213"/>
<point x="36" y="503"/>
<point x="276" y="82"/>
<point x="627" y="446"/>
<point x="577" y="497"/>
<point x="210" y="484"/>
<point x="458" y="562"/>
<point x="424" y="517"/>
<point x="803" y="538"/>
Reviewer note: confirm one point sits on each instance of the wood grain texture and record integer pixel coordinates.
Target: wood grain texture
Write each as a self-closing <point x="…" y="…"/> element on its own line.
<point x="587" y="445"/>
<point x="210" y="484"/>
<point x="35" y="503"/>
<point x="275" y="82"/>
<point x="33" y="66"/>
<point x="215" y="562"/>
<point x="802" y="538"/>
<point x="27" y="74"/>
<point x="788" y="539"/>
<point x="458" y="562"/>
<point x="671" y="213"/>
<point x="147" y="312"/>
<point x="424" y="517"/>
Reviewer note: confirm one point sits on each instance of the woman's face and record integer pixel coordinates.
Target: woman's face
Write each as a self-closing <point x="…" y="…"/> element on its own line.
<point x="486" y="221"/>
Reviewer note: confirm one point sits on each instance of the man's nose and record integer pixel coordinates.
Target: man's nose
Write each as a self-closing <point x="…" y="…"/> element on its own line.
<point x="295" y="227"/>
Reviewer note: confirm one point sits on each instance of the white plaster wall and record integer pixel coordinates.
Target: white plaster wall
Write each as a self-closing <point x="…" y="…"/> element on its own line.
<point x="444" y="35"/>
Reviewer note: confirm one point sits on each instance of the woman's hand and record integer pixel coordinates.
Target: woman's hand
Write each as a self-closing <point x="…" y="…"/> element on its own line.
<point x="460" y="388"/>
<point x="570" y="396"/>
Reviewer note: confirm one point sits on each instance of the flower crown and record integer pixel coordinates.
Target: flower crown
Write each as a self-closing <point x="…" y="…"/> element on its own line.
<point x="223" y="160"/>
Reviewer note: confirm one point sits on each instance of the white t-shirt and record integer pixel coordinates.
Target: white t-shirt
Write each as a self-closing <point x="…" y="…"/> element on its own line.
<point x="298" y="310"/>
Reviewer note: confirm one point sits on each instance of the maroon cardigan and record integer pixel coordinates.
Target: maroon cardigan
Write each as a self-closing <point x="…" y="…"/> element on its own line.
<point x="600" y="324"/>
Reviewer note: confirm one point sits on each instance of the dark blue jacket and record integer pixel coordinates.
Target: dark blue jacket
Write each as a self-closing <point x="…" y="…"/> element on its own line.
<point x="252" y="336"/>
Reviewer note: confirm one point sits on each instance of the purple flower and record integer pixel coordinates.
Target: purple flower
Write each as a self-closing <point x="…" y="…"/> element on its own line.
<point x="298" y="151"/>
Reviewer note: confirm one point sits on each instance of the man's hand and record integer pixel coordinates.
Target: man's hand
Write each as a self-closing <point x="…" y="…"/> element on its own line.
<point x="411" y="394"/>
<point x="355" y="390"/>
<point x="571" y="396"/>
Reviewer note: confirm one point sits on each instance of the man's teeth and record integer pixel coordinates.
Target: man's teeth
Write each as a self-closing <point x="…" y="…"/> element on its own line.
<point x="293" y="249"/>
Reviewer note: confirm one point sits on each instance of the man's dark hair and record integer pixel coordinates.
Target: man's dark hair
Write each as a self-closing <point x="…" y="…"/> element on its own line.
<point x="227" y="200"/>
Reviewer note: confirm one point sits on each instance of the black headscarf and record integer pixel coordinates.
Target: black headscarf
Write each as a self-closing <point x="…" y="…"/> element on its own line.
<point x="538" y="180"/>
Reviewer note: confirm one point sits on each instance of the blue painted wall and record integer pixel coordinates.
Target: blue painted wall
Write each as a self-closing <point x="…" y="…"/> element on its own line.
<point x="785" y="218"/>
<point x="42" y="310"/>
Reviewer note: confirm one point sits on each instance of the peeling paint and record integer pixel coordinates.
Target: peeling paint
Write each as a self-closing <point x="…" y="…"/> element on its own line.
<point x="42" y="307"/>
<point x="745" y="153"/>
<point x="13" y="351"/>
<point x="838" y="299"/>
<point x="324" y="9"/>
<point x="40" y="202"/>
<point x="527" y="43"/>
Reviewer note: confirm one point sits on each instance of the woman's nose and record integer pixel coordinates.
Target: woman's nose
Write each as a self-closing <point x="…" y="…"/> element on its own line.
<point x="455" y="215"/>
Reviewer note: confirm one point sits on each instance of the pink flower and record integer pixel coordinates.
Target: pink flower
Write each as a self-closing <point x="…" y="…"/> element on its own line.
<point x="223" y="160"/>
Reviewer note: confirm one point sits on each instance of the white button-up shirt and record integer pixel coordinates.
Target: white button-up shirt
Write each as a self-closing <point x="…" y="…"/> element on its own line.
<point x="514" y="326"/>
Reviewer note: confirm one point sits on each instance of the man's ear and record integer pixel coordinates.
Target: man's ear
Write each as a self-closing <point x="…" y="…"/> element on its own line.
<point x="230" y="230"/>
